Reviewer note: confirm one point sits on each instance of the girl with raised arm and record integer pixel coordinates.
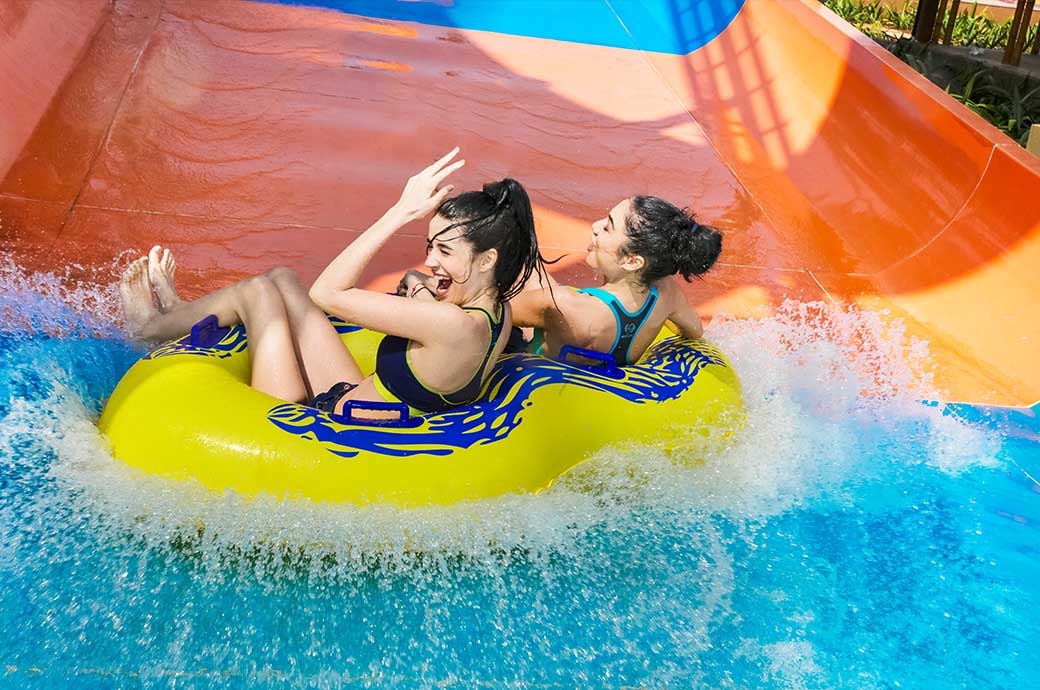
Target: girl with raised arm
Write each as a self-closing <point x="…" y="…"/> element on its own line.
<point x="441" y="342"/>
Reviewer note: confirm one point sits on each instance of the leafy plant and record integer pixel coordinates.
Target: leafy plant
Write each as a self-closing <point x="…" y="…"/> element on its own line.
<point x="1011" y="104"/>
<point x="970" y="27"/>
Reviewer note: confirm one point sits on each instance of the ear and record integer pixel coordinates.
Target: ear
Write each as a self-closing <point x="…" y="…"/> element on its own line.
<point x="632" y="263"/>
<point x="487" y="260"/>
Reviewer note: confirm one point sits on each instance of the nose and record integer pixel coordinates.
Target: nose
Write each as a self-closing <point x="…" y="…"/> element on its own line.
<point x="430" y="261"/>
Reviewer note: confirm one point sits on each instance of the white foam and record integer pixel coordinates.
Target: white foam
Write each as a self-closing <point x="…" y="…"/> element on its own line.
<point x="59" y="304"/>
<point x="822" y="385"/>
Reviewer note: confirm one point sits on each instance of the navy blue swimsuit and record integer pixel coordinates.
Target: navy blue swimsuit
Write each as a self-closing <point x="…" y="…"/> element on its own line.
<point x="394" y="374"/>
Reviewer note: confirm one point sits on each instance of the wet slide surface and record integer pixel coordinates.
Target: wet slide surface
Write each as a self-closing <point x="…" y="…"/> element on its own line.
<point x="247" y="135"/>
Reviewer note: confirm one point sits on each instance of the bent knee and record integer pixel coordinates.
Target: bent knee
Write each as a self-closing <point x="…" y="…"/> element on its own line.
<point x="283" y="274"/>
<point x="258" y="288"/>
<point x="288" y="283"/>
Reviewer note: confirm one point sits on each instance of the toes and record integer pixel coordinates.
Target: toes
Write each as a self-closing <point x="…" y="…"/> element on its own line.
<point x="154" y="260"/>
<point x="141" y="270"/>
<point x="133" y="271"/>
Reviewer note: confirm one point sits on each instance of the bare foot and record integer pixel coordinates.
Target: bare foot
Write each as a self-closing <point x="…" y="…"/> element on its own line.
<point x="138" y="306"/>
<point x="161" y="267"/>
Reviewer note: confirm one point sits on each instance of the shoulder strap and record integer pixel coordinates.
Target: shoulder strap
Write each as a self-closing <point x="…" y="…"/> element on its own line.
<point x="494" y="331"/>
<point x="492" y="321"/>
<point x="628" y="323"/>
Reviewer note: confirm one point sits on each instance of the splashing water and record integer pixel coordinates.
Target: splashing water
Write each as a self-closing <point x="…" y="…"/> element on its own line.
<point x="849" y="536"/>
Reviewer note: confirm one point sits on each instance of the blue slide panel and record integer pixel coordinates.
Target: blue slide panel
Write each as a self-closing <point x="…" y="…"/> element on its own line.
<point x="663" y="26"/>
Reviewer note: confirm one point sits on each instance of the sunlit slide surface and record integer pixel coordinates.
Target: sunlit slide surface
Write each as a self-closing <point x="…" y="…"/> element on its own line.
<point x="875" y="525"/>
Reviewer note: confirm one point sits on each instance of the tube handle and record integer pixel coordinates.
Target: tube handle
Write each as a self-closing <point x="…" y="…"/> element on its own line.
<point x="207" y="332"/>
<point x="351" y="406"/>
<point x="602" y="362"/>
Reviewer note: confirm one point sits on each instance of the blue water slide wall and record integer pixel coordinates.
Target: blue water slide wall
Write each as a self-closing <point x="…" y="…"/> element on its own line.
<point x="664" y="26"/>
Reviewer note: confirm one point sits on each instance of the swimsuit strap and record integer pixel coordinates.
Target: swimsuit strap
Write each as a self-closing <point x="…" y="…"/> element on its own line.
<point x="397" y="379"/>
<point x="537" y="341"/>
<point x="494" y="330"/>
<point x="628" y="323"/>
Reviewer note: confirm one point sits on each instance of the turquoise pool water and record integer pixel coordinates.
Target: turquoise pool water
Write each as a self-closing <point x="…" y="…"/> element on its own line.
<point x="851" y="537"/>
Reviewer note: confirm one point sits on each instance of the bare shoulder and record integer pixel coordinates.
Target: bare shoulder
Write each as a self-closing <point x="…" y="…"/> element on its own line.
<point x="457" y="325"/>
<point x="670" y="291"/>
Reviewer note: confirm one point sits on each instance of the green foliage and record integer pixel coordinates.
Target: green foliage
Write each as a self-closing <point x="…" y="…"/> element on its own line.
<point x="970" y="28"/>
<point x="974" y="29"/>
<point x="1010" y="103"/>
<point x="872" y="17"/>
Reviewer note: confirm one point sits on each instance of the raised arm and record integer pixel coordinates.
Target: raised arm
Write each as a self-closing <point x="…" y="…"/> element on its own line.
<point x="419" y="198"/>
<point x="336" y="289"/>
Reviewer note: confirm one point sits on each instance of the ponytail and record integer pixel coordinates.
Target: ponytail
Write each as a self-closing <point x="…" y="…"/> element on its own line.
<point x="670" y="240"/>
<point x="498" y="217"/>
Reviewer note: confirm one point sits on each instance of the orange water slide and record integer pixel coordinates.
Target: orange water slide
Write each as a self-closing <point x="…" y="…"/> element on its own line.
<point x="247" y="135"/>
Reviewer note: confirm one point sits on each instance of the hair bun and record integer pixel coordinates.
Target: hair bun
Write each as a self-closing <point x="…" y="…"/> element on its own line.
<point x="500" y="191"/>
<point x="670" y="239"/>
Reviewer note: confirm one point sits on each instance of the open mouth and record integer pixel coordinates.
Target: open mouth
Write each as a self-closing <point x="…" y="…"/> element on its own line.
<point x="443" y="285"/>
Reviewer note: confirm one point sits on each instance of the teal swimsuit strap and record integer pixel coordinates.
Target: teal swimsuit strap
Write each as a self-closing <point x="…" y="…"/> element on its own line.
<point x="537" y="341"/>
<point x="628" y="323"/>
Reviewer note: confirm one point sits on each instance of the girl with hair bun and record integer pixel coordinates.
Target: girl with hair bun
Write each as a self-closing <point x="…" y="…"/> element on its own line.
<point x="637" y="247"/>
<point x="440" y="343"/>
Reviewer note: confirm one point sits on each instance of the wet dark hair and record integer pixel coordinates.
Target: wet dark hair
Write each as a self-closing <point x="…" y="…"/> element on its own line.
<point x="670" y="240"/>
<point x="498" y="217"/>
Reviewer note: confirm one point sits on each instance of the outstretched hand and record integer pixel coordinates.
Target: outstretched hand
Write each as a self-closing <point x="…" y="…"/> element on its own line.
<point x="421" y="194"/>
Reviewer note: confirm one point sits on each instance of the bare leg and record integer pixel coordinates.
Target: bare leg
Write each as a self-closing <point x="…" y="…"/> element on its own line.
<point x="319" y="358"/>
<point x="322" y="357"/>
<point x="254" y="302"/>
<point x="223" y="303"/>
<point x="136" y="292"/>
<point x="275" y="370"/>
<point x="161" y="267"/>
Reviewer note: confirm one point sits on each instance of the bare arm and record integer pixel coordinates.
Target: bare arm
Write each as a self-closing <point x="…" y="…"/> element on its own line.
<point x="409" y="285"/>
<point x="530" y="308"/>
<point x="336" y="289"/>
<point x="683" y="316"/>
<point x="421" y="318"/>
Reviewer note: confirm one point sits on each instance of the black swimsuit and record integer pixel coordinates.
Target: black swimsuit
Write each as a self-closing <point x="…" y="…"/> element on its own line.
<point x="628" y="323"/>
<point x="326" y="402"/>
<point x="395" y="379"/>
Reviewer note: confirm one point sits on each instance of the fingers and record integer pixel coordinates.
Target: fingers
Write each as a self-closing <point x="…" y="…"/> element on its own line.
<point x="421" y="194"/>
<point x="442" y="161"/>
<point x="439" y="177"/>
<point x="441" y="195"/>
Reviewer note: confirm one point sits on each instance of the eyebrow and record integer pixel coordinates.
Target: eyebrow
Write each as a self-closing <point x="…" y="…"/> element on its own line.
<point x="610" y="219"/>
<point x="437" y="238"/>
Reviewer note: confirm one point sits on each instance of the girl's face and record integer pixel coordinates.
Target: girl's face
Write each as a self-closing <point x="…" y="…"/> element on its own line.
<point x="609" y="238"/>
<point x="452" y="261"/>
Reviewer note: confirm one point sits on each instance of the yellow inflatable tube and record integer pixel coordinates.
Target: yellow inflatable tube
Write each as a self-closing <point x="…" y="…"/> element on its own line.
<point x="186" y="411"/>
